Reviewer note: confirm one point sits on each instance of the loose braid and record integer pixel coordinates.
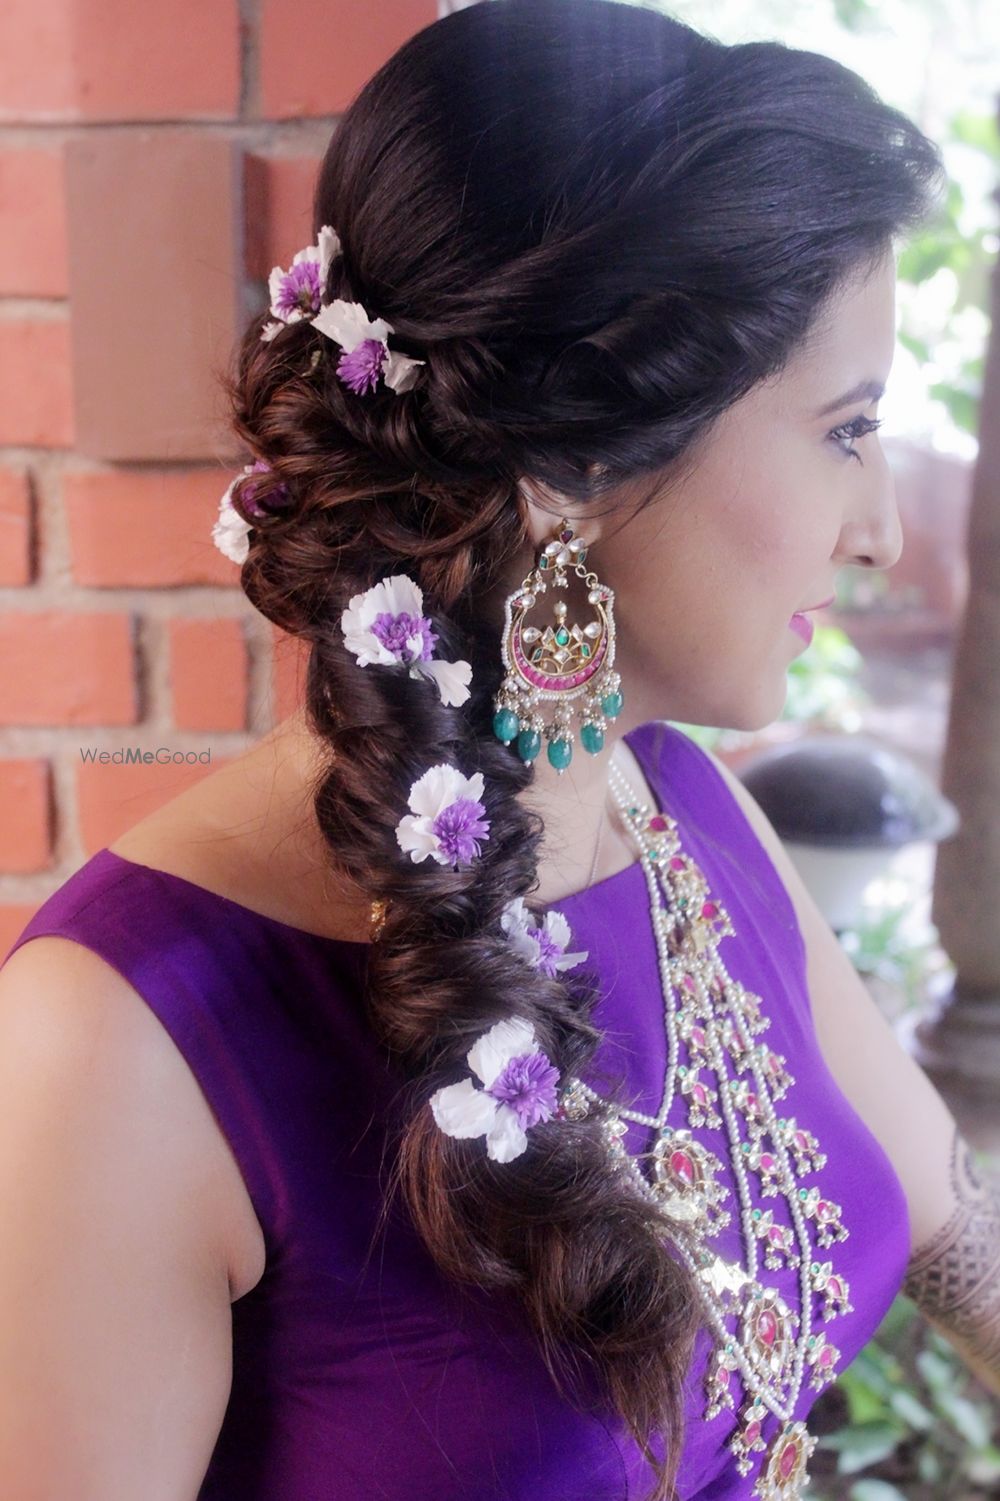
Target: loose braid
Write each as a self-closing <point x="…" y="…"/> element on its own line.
<point x="592" y="275"/>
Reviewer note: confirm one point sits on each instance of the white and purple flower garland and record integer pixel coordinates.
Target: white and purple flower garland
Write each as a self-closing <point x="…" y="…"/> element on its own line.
<point x="519" y="1091"/>
<point x="445" y="820"/>
<point x="386" y="625"/>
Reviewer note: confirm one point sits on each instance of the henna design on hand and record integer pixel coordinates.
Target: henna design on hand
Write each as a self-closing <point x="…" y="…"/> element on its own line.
<point x="955" y="1277"/>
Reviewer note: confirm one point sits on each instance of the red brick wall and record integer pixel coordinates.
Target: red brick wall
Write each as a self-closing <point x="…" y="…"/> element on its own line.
<point x="155" y="162"/>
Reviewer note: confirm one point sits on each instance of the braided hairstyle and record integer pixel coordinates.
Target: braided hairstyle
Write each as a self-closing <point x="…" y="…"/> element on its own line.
<point x="599" y="229"/>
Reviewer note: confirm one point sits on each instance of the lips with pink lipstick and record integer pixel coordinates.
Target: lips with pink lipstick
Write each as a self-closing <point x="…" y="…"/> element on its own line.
<point x="802" y="625"/>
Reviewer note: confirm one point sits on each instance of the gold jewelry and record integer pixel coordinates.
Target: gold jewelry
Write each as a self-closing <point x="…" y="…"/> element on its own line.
<point x="726" y="1078"/>
<point x="597" y="851"/>
<point x="559" y="664"/>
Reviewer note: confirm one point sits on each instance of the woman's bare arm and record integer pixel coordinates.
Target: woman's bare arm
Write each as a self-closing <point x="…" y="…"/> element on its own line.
<point x="954" y="1271"/>
<point x="115" y="1325"/>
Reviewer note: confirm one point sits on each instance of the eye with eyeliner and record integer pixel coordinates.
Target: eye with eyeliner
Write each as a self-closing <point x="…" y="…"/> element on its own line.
<point x="849" y="432"/>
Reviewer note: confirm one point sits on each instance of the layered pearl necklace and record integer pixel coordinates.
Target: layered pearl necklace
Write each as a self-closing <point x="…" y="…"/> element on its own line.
<point x="726" y="1078"/>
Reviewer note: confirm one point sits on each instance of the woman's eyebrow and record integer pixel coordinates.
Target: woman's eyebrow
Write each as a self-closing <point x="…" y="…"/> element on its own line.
<point x="873" y="389"/>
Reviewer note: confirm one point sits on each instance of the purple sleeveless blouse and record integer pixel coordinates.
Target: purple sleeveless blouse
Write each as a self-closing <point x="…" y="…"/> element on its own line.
<point x="363" y="1373"/>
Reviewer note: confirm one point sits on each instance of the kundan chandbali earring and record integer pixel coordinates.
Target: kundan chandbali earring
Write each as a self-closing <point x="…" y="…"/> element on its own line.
<point x="561" y="664"/>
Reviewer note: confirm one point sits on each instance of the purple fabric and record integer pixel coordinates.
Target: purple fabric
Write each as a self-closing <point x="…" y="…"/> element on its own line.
<point x="357" y="1371"/>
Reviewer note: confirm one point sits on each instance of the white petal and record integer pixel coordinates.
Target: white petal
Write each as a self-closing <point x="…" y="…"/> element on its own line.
<point x="417" y="839"/>
<point x="452" y="678"/>
<point x="462" y="1110"/>
<point x="328" y="242"/>
<point x="557" y="928"/>
<point x="439" y="786"/>
<point x="516" y="916"/>
<point x="348" y="324"/>
<point x="400" y="372"/>
<point x="399" y="595"/>
<point x="269" y="330"/>
<point x="506" y="1139"/>
<point x="508" y="1039"/>
<point x="570" y="961"/>
<point x="231" y="534"/>
<point x="310" y="253"/>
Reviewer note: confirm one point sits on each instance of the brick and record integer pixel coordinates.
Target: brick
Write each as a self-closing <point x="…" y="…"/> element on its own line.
<point x="278" y="193"/>
<point x="111" y="798"/>
<point x="289" y="661"/>
<point x="145" y="529"/>
<point x="208" y="674"/>
<point x="317" y="54"/>
<point x="25" y="815"/>
<point x="32" y="223"/>
<point x="14" y="918"/>
<point x="115" y="60"/>
<point x="36" y="405"/>
<point x="66" y="668"/>
<point x="155" y="275"/>
<point x="16" y="519"/>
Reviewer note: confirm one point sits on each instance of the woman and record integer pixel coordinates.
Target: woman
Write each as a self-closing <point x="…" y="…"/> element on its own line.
<point x="459" y="1095"/>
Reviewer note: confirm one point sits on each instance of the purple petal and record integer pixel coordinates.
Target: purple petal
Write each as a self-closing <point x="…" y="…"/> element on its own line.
<point x="458" y="829"/>
<point x="393" y="631"/>
<point x="276" y="495"/>
<point x="361" y="368"/>
<point x="528" y="1085"/>
<point x="298" y="292"/>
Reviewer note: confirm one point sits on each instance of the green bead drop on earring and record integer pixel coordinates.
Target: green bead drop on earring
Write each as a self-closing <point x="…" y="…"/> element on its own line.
<point x="505" y="725"/>
<point x="529" y="743"/>
<point x="560" y="754"/>
<point x="592" y="738"/>
<point x="612" y="704"/>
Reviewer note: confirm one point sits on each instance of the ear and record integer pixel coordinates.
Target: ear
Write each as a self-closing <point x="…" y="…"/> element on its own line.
<point x="542" y="509"/>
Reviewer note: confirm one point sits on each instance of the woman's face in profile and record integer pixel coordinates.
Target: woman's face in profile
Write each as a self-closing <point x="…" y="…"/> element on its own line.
<point x="708" y="576"/>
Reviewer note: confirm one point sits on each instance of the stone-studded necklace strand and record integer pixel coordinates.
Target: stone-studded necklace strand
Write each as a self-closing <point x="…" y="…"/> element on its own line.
<point x="717" y="1020"/>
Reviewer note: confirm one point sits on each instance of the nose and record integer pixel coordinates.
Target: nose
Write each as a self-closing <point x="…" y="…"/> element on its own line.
<point x="872" y="536"/>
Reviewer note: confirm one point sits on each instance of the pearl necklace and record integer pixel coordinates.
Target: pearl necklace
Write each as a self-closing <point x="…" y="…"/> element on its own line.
<point x="717" y="1020"/>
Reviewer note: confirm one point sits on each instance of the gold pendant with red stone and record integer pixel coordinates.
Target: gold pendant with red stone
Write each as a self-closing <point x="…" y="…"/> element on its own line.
<point x="772" y="1065"/>
<point x="691" y="1030"/>
<point x="720" y="1380"/>
<point x="779" y="1240"/>
<point x="784" y="1477"/>
<point x="685" y="1181"/>
<point x="802" y="1144"/>
<point x="766" y="1164"/>
<point x="749" y="1436"/>
<point x="768" y="1334"/>
<point x="746" y="1100"/>
<point x="835" y="1289"/>
<point x="701" y="1100"/>
<point x="826" y="1214"/>
<point x="823" y="1357"/>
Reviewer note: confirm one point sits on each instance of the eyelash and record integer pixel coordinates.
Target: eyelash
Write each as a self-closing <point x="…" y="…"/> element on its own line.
<point x="858" y="427"/>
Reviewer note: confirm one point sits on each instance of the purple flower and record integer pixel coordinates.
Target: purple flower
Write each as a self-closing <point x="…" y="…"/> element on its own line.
<point x="360" y="368"/>
<point x="277" y="494"/>
<point x="457" y="829"/>
<point x="528" y="1085"/>
<point x="395" y="631"/>
<point x="297" y="291"/>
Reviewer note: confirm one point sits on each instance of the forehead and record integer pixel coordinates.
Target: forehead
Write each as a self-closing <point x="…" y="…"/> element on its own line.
<point x="853" y="338"/>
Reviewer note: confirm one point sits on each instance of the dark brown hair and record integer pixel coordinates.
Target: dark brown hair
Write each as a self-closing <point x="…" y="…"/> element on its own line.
<point x="599" y="229"/>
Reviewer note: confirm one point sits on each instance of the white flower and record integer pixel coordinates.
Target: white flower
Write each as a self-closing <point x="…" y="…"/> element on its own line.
<point x="231" y="534"/>
<point x="348" y="325"/>
<point x="445" y="819"/>
<point x="298" y="292"/>
<point x="404" y="636"/>
<point x="543" y="946"/>
<point x="463" y="1111"/>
